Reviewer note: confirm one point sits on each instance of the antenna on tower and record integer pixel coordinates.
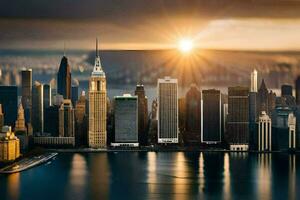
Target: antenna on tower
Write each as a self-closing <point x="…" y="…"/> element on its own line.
<point x="64" y="48"/>
<point x="97" y="47"/>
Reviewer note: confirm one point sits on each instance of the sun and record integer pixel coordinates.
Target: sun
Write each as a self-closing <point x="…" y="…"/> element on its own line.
<point x="185" y="45"/>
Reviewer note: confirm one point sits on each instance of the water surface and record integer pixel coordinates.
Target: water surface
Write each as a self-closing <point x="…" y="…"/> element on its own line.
<point x="142" y="175"/>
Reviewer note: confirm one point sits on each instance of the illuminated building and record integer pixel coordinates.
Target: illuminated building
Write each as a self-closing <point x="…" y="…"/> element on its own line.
<point x="9" y="147"/>
<point x="66" y="119"/>
<point x="97" y="106"/>
<point x="264" y="132"/>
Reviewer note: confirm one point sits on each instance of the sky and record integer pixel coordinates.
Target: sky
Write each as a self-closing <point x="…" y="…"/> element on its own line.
<point x="150" y="24"/>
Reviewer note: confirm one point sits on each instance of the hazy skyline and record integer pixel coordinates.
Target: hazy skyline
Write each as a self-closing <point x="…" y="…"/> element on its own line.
<point x="141" y="24"/>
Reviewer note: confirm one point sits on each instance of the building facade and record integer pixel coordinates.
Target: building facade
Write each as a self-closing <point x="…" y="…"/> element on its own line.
<point x="238" y="118"/>
<point x="264" y="132"/>
<point x="142" y="114"/>
<point x="211" y="117"/>
<point x="81" y="121"/>
<point x="253" y="81"/>
<point x="38" y="108"/>
<point x="26" y="90"/>
<point x="20" y="122"/>
<point x="9" y="101"/>
<point x="126" y="120"/>
<point x="64" y="78"/>
<point x="292" y="130"/>
<point x="97" y="136"/>
<point x="9" y="147"/>
<point x="66" y="119"/>
<point x="167" y="110"/>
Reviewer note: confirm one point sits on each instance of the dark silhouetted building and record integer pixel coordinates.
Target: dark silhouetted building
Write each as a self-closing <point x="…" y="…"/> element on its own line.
<point x="193" y="114"/>
<point x="74" y="94"/>
<point x="47" y="95"/>
<point x="26" y="90"/>
<point x="238" y="118"/>
<point x="81" y="121"/>
<point x="64" y="78"/>
<point x="211" y="116"/>
<point x="38" y="109"/>
<point x="265" y="100"/>
<point x="9" y="101"/>
<point x="142" y="114"/>
<point x="252" y="120"/>
<point x="297" y="85"/>
<point x="51" y="120"/>
<point x="280" y="128"/>
<point x="286" y="90"/>
<point x="1" y="118"/>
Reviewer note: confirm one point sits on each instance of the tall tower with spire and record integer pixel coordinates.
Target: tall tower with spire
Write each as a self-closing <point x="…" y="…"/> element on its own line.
<point x="97" y="105"/>
<point x="64" y="78"/>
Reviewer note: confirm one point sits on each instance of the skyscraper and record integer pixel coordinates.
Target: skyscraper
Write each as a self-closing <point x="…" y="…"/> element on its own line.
<point x="211" y="116"/>
<point x="193" y="110"/>
<point x="97" y="106"/>
<point x="64" y="78"/>
<point x="193" y="114"/>
<point x="264" y="132"/>
<point x="286" y="90"/>
<point x="9" y="101"/>
<point x="47" y="95"/>
<point x="126" y="120"/>
<point x="26" y="88"/>
<point x="265" y="100"/>
<point x="1" y="118"/>
<point x="81" y="121"/>
<point x="66" y="119"/>
<point x="167" y="110"/>
<point x="292" y="130"/>
<point x="74" y="94"/>
<point x="253" y="81"/>
<point x="51" y="125"/>
<point x="38" y="108"/>
<point x="142" y="114"/>
<point x="238" y="118"/>
<point x="297" y="84"/>
<point x="20" y="122"/>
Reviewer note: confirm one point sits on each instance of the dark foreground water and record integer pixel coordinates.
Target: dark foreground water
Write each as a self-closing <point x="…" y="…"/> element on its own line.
<point x="134" y="175"/>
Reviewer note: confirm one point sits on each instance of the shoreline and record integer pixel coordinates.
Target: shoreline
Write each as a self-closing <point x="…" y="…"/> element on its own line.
<point x="88" y="150"/>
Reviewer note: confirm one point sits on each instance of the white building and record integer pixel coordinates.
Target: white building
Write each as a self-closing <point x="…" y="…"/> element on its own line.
<point x="97" y="106"/>
<point x="292" y="130"/>
<point x="253" y="81"/>
<point x="167" y="110"/>
<point x="264" y="132"/>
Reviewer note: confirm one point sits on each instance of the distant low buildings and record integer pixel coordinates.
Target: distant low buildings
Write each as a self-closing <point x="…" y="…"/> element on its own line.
<point x="9" y="147"/>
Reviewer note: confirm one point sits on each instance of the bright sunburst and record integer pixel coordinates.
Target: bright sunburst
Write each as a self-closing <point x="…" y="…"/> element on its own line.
<point x="185" y="45"/>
